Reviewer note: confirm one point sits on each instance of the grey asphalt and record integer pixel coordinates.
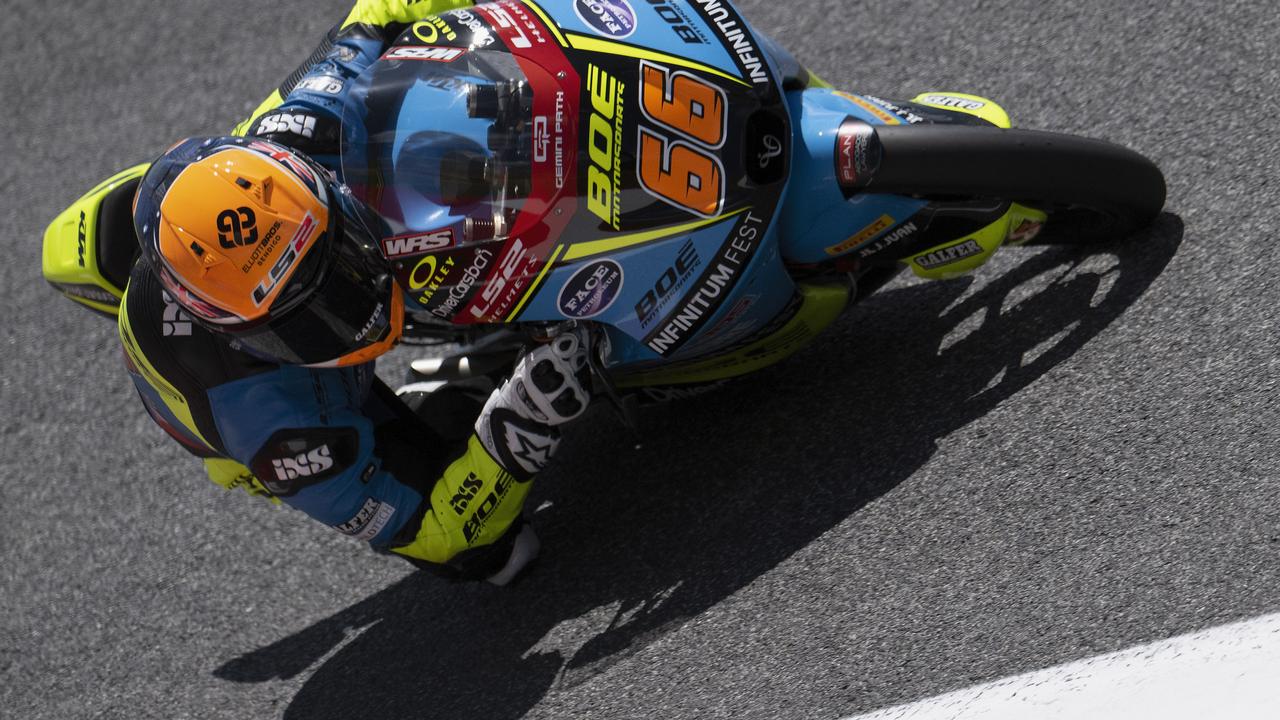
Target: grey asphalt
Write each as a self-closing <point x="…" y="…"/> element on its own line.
<point x="1063" y="455"/>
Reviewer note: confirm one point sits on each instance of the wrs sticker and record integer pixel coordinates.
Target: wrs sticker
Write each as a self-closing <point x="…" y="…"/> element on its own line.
<point x="611" y="18"/>
<point x="433" y="53"/>
<point x="591" y="290"/>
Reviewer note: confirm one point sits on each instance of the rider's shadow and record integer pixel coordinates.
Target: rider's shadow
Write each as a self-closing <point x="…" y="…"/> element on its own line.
<point x="636" y="542"/>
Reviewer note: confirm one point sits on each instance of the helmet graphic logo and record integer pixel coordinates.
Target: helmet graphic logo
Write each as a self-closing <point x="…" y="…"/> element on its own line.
<point x="232" y="226"/>
<point x="243" y="236"/>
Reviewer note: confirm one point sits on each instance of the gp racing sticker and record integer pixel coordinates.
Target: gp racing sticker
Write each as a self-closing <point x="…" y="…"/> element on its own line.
<point x="591" y="290"/>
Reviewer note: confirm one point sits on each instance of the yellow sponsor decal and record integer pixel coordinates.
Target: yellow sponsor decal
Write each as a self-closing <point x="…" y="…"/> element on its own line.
<point x="882" y="223"/>
<point x="604" y="175"/>
<point x="879" y="113"/>
<point x="428" y="275"/>
<point x="432" y="29"/>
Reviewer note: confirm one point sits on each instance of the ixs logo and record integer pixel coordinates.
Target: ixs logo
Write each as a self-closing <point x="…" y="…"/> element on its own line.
<point x="433" y="53"/>
<point x="611" y="18"/>
<point x="300" y="125"/>
<point x="416" y="243"/>
<point x="176" y="322"/>
<point x="372" y="517"/>
<point x="305" y="464"/>
<point x="466" y="492"/>
<point x="591" y="290"/>
<point x="672" y="279"/>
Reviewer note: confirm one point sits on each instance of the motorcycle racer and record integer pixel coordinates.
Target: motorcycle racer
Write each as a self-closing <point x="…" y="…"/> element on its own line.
<point x="259" y="304"/>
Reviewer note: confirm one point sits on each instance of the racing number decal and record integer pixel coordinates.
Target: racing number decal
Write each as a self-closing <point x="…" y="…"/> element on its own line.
<point x="684" y="103"/>
<point x="681" y="174"/>
<point x="685" y="174"/>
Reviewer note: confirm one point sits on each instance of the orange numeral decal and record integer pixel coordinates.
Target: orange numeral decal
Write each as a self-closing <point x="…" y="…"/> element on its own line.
<point x="684" y="103"/>
<point x="681" y="174"/>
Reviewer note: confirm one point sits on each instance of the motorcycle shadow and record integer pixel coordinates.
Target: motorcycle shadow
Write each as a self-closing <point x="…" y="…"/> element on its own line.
<point x="638" y="541"/>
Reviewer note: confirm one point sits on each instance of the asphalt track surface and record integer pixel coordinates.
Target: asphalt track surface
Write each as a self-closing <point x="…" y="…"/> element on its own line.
<point x="1064" y="455"/>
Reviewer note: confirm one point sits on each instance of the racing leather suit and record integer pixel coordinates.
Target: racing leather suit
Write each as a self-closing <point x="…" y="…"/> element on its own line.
<point x="335" y="443"/>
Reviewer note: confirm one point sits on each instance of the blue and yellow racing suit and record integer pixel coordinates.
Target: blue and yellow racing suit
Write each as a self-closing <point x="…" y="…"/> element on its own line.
<point x="335" y="443"/>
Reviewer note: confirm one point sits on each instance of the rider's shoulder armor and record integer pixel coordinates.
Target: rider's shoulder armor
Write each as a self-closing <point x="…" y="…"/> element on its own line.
<point x="176" y="362"/>
<point x="90" y="247"/>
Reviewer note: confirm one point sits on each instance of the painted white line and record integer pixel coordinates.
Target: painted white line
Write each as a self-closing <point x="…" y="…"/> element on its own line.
<point x="1231" y="671"/>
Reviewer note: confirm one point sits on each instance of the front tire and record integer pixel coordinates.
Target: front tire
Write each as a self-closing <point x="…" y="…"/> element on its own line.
<point x="1092" y="190"/>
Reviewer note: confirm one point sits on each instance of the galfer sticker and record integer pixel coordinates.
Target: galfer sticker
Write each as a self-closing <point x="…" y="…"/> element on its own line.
<point x="948" y="255"/>
<point x="372" y="517"/>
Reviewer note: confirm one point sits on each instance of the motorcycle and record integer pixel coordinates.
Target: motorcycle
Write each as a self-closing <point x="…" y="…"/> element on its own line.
<point x="662" y="173"/>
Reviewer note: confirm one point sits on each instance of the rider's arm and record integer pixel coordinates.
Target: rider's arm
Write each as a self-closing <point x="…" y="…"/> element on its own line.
<point x="372" y="469"/>
<point x="350" y="46"/>
<point x="332" y="442"/>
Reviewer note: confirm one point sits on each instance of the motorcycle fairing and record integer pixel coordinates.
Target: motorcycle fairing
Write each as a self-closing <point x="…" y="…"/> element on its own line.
<point x="559" y="229"/>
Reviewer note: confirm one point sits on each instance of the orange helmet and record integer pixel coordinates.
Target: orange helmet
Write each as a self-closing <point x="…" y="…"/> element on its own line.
<point x="256" y="241"/>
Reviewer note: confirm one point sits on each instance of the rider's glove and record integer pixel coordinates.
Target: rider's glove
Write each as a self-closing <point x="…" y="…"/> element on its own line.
<point x="547" y="388"/>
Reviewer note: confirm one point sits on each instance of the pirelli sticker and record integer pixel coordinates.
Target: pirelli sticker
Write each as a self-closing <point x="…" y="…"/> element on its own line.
<point x="882" y="223"/>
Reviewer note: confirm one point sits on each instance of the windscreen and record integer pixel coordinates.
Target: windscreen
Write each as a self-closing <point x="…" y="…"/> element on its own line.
<point x="440" y="137"/>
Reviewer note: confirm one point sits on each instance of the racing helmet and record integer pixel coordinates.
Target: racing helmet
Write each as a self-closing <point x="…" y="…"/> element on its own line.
<point x="256" y="241"/>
